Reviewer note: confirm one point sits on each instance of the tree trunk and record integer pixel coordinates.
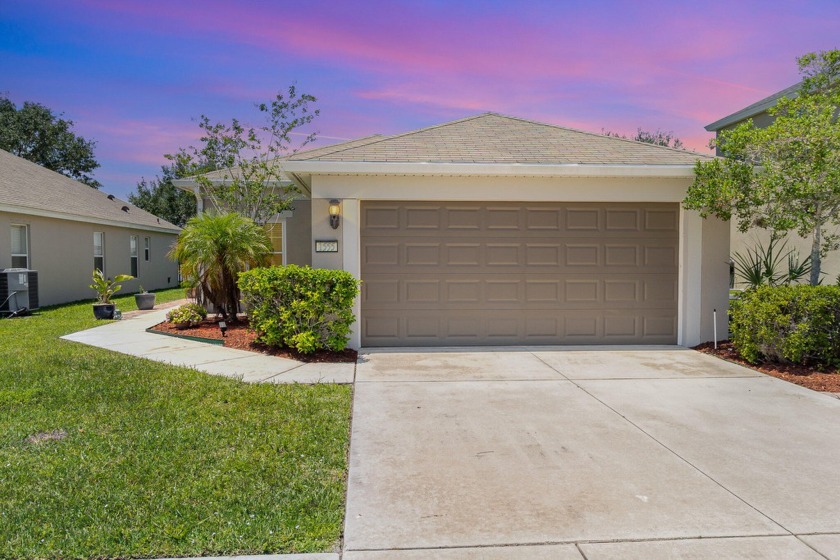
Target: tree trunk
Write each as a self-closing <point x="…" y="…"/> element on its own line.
<point x="816" y="260"/>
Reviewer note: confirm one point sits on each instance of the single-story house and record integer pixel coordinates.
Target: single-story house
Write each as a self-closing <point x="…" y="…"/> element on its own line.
<point x="494" y="230"/>
<point x="64" y="229"/>
<point x="741" y="242"/>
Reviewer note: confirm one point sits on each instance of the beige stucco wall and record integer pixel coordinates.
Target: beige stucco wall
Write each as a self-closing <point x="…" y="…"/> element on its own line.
<point x="62" y="253"/>
<point x="704" y="248"/>
<point x="299" y="234"/>
<point x="715" y="272"/>
<point x="742" y="242"/>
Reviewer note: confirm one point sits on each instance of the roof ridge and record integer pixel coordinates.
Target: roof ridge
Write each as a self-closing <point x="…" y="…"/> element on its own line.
<point x="595" y="134"/>
<point x="410" y="132"/>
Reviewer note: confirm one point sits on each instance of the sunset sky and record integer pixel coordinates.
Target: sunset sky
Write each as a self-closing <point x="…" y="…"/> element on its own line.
<point x="134" y="76"/>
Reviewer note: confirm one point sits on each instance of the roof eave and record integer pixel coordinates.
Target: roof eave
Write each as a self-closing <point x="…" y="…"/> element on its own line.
<point x="754" y="109"/>
<point x="490" y="169"/>
<point x="15" y="209"/>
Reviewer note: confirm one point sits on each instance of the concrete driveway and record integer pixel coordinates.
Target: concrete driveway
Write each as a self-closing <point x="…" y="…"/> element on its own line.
<point x="594" y="453"/>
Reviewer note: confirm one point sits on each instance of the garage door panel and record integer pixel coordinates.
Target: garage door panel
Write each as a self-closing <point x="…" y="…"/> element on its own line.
<point x="494" y="256"/>
<point x="547" y="219"/>
<point x="511" y="273"/>
<point x="395" y="291"/>
<point x="428" y="328"/>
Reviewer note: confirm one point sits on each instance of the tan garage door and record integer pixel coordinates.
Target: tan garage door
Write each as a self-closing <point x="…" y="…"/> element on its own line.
<point x="518" y="273"/>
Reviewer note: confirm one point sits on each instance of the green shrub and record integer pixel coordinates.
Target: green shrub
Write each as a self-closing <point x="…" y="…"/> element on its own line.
<point x="304" y="308"/>
<point x="797" y="324"/>
<point x="187" y="315"/>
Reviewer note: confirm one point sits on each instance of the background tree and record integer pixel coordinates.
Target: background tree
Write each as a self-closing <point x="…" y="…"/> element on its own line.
<point x="213" y="249"/>
<point x="247" y="179"/>
<point x="784" y="177"/>
<point x="658" y="138"/>
<point x="35" y="133"/>
<point x="160" y="197"/>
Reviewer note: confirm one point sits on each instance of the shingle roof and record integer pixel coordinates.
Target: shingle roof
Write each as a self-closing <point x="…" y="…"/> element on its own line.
<point x="755" y="108"/>
<point x="493" y="138"/>
<point x="310" y="153"/>
<point x="30" y="188"/>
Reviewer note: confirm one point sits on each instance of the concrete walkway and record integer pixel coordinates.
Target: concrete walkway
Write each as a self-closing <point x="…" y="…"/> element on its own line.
<point x="587" y="453"/>
<point x="129" y="336"/>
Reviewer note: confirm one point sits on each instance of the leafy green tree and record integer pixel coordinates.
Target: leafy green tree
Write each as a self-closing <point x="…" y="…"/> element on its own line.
<point x="34" y="132"/>
<point x="657" y="138"/>
<point x="784" y="177"/>
<point x="213" y="249"/>
<point x="160" y="197"/>
<point x="247" y="179"/>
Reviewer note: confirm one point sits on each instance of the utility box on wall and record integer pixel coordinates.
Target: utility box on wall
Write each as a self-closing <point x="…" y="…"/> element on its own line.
<point x="18" y="290"/>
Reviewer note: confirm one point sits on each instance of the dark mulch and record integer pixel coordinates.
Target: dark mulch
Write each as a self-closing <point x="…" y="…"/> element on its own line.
<point x="811" y="377"/>
<point x="240" y="335"/>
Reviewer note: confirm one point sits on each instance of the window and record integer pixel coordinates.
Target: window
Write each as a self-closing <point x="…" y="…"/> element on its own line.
<point x="276" y="233"/>
<point x="20" y="246"/>
<point x="147" y="248"/>
<point x="133" y="253"/>
<point x="99" y="251"/>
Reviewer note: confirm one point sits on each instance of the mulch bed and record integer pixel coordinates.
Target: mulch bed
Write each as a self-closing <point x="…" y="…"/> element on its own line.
<point x="806" y="376"/>
<point x="239" y="335"/>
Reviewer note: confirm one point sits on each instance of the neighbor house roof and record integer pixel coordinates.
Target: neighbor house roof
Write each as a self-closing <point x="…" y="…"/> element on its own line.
<point x="28" y="188"/>
<point x="491" y="138"/>
<point x="756" y="108"/>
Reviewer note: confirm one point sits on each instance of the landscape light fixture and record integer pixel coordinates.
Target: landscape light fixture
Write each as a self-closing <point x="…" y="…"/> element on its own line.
<point x="223" y="328"/>
<point x="335" y="209"/>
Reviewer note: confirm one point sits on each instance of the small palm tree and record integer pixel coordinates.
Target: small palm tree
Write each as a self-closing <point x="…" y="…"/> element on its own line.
<point x="213" y="249"/>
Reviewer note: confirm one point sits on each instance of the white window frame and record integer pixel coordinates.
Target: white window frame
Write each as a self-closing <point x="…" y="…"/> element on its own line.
<point x="133" y="255"/>
<point x="26" y="233"/>
<point x="282" y="223"/>
<point x="147" y="249"/>
<point x="102" y="256"/>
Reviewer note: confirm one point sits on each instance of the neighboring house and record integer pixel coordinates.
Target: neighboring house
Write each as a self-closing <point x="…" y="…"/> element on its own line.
<point x="741" y="242"/>
<point x="64" y="229"/>
<point x="493" y="230"/>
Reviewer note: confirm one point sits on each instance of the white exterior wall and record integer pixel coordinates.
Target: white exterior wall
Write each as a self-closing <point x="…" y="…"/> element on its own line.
<point x="62" y="253"/>
<point x="704" y="244"/>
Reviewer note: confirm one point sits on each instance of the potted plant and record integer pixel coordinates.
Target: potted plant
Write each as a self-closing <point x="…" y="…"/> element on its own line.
<point x="144" y="300"/>
<point x="105" y="288"/>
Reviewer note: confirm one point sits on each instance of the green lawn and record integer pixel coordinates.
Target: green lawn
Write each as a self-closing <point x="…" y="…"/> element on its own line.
<point x="157" y="461"/>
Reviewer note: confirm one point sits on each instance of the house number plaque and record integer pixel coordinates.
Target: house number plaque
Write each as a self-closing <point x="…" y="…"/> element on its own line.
<point x="326" y="246"/>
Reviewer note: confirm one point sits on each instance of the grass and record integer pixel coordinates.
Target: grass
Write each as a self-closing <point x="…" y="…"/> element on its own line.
<point x="132" y="458"/>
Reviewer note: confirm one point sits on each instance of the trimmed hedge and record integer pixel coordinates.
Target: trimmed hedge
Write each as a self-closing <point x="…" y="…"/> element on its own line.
<point x="797" y="324"/>
<point x="304" y="308"/>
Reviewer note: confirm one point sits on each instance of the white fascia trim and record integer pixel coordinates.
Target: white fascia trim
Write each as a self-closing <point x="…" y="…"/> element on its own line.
<point x="488" y="169"/>
<point x="86" y="219"/>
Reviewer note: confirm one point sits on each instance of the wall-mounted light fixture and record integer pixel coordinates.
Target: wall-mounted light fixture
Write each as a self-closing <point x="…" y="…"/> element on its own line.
<point x="335" y="210"/>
